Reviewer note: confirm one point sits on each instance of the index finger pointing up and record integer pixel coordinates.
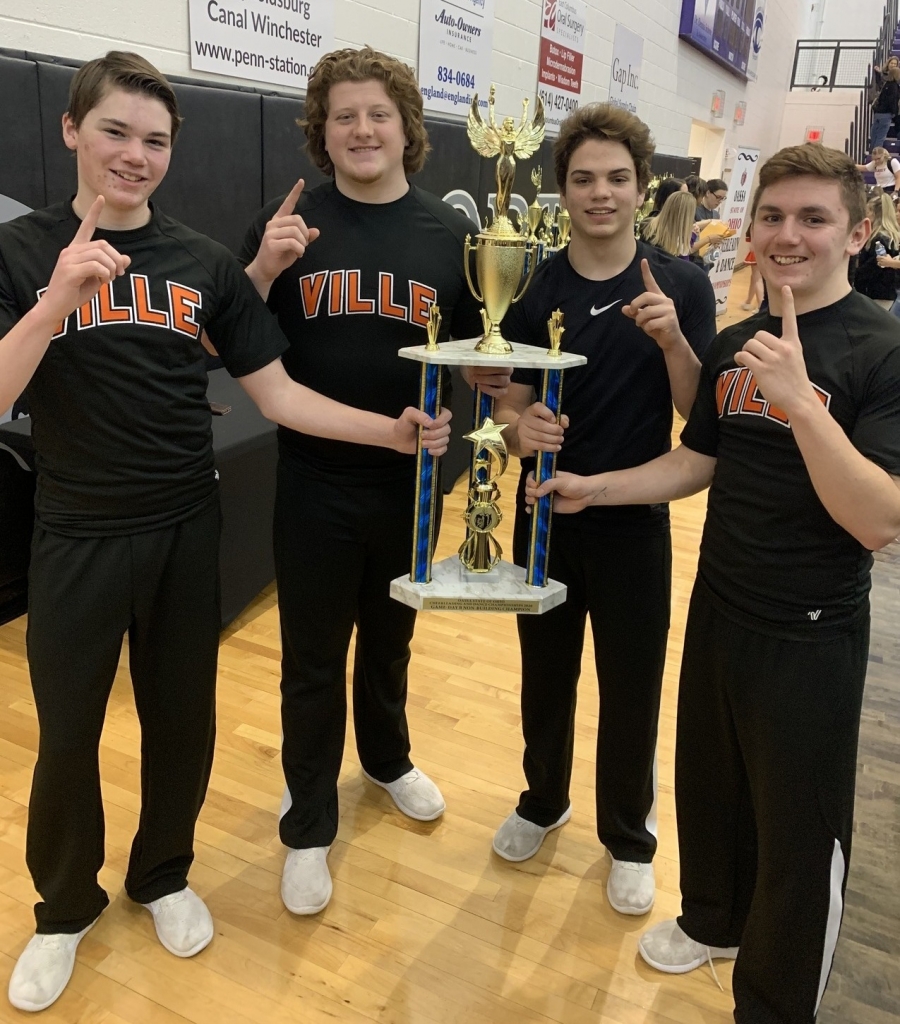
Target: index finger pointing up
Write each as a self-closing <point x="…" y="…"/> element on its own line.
<point x="788" y="314"/>
<point x="88" y="226"/>
<point x="649" y="280"/>
<point x="291" y="200"/>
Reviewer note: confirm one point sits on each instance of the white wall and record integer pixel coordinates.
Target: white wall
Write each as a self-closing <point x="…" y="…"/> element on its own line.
<point x="832" y="111"/>
<point x="851" y="19"/>
<point x="677" y="81"/>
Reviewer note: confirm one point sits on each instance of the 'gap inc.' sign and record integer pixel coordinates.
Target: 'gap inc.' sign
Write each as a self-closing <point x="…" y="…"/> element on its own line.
<point x="625" y="69"/>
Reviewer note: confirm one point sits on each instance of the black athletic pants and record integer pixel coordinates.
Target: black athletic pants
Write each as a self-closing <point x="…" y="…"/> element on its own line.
<point x="624" y="584"/>
<point x="337" y="548"/>
<point x="764" y="784"/>
<point x="85" y="593"/>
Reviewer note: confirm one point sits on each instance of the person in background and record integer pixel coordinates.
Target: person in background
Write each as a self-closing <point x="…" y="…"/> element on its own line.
<point x="708" y="204"/>
<point x="673" y="230"/>
<point x="756" y="290"/>
<point x="878" y="270"/>
<point x="696" y="186"/>
<point x="885" y="168"/>
<point x="885" y="107"/>
<point x="667" y="187"/>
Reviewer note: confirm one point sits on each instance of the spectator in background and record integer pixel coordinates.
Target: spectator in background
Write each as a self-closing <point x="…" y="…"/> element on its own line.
<point x="696" y="186"/>
<point x="885" y="168"/>
<point x="756" y="290"/>
<point x="878" y="271"/>
<point x="673" y="230"/>
<point x="708" y="204"/>
<point x="884" y="109"/>
<point x="667" y="187"/>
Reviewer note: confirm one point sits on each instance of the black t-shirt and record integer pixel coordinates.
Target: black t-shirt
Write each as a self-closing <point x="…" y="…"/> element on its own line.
<point x="620" y="404"/>
<point x="769" y="548"/>
<point x="361" y="292"/>
<point x="872" y="280"/>
<point x="120" y="420"/>
<point x="888" y="99"/>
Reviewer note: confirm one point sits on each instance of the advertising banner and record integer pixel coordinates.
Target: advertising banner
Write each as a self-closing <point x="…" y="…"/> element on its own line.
<point x="625" y="69"/>
<point x="277" y="41"/>
<point x="455" y="45"/>
<point x="756" y="37"/>
<point x="561" y="59"/>
<point x="733" y="211"/>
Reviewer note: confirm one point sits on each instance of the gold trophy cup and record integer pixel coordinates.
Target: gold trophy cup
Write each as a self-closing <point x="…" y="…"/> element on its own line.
<point x="501" y="249"/>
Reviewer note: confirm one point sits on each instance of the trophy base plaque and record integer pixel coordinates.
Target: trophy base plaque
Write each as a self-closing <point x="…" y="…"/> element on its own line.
<point x="454" y="589"/>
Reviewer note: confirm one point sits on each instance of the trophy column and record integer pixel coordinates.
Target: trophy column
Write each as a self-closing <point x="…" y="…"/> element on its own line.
<point x="426" y="465"/>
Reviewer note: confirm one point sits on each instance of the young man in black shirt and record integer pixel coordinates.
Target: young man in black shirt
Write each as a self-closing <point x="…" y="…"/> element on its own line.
<point x="796" y="427"/>
<point x="642" y="318"/>
<point x="102" y="303"/>
<point x="384" y="252"/>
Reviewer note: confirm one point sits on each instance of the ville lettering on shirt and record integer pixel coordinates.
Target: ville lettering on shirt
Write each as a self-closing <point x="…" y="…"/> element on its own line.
<point x="134" y="307"/>
<point x="338" y="292"/>
<point x="737" y="394"/>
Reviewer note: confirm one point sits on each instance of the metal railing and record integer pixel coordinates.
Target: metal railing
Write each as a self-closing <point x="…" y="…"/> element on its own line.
<point x="829" y="64"/>
<point x="856" y="145"/>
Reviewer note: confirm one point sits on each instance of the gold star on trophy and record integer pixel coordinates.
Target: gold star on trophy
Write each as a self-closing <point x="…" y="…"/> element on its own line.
<point x="490" y="436"/>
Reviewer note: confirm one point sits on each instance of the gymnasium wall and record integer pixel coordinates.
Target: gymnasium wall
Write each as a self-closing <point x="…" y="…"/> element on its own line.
<point x="677" y="81"/>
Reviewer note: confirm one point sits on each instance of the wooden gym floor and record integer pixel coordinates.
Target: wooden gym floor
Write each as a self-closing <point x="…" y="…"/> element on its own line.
<point x="426" y="925"/>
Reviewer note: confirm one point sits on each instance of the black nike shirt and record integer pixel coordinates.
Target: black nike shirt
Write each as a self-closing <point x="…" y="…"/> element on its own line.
<point x="620" y="404"/>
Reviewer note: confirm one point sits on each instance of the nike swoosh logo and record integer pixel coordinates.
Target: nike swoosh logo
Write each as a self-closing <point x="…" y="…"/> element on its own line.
<point x="597" y="312"/>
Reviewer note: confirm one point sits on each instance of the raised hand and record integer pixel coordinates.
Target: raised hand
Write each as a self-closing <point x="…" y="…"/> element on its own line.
<point x="83" y="267"/>
<point x="654" y="312"/>
<point x="435" y="436"/>
<point x="538" y="430"/>
<point x="777" y="363"/>
<point x="285" y="239"/>
<point x="572" y="492"/>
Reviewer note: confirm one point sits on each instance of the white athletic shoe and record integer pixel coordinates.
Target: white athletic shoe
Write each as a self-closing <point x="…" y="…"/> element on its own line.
<point x="306" y="881"/>
<point x="518" y="839"/>
<point x="183" y="922"/>
<point x="631" y="888"/>
<point x="666" y="947"/>
<point x="415" y="794"/>
<point x="43" y="970"/>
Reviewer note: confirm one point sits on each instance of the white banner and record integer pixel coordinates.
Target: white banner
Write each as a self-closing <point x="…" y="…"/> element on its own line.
<point x="456" y="41"/>
<point x="756" y="37"/>
<point x="276" y="41"/>
<point x="733" y="211"/>
<point x="561" y="59"/>
<point x="625" y="69"/>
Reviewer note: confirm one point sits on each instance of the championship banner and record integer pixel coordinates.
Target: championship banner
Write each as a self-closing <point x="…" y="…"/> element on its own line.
<point x="561" y="59"/>
<point x="733" y="211"/>
<point x="277" y="41"/>
<point x="455" y="46"/>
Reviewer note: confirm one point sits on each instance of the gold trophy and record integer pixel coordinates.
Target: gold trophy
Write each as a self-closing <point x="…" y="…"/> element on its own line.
<point x="500" y="250"/>
<point x="564" y="226"/>
<point x="535" y="211"/>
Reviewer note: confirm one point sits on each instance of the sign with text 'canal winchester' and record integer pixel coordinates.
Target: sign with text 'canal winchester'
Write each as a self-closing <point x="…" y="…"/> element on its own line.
<point x="277" y="41"/>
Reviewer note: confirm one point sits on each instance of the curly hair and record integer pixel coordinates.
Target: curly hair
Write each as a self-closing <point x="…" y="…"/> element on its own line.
<point x="815" y="161"/>
<point x="119" y="69"/>
<point x="604" y="121"/>
<point x="365" y="65"/>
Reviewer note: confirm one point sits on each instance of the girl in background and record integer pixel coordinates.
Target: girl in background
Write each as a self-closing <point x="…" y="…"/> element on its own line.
<point x="878" y="273"/>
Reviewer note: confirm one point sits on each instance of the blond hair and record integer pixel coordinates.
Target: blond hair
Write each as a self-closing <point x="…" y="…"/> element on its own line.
<point x="884" y="221"/>
<point x="671" y="229"/>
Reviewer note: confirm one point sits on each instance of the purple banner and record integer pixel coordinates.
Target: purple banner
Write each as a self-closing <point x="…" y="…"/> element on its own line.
<point x="721" y="29"/>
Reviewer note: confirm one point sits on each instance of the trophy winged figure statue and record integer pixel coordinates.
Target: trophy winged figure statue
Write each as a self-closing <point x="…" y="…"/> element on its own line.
<point x="506" y="140"/>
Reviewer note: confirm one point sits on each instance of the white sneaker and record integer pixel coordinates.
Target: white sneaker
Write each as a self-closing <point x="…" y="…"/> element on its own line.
<point x="666" y="947"/>
<point x="631" y="888"/>
<point x="183" y="923"/>
<point x="43" y="970"/>
<point x="518" y="839"/>
<point x="415" y="794"/>
<point x="306" y="881"/>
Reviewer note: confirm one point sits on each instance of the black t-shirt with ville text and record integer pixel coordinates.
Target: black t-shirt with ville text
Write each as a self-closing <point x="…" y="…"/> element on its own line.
<point x="770" y="549"/>
<point x="620" y="404"/>
<point x="363" y="290"/>
<point x="120" y="420"/>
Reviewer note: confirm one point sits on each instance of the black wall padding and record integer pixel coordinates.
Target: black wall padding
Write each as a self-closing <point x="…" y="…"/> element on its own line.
<point x="284" y="157"/>
<point x="60" y="171"/>
<point x="452" y="163"/>
<point x="22" y="162"/>
<point x="214" y="182"/>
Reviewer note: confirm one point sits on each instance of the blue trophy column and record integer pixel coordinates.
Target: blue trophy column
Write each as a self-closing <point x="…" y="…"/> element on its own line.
<point x="426" y="479"/>
<point x="545" y="466"/>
